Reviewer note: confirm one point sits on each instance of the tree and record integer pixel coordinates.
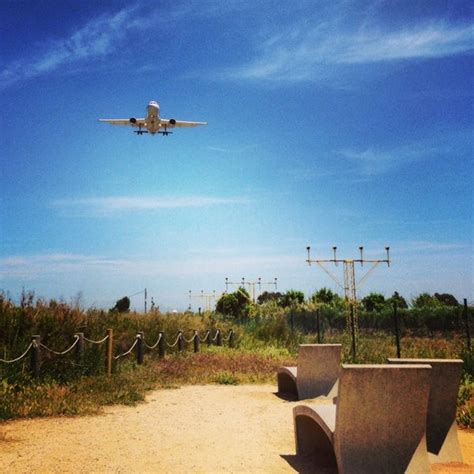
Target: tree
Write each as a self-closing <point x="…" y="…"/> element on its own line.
<point x="446" y="299"/>
<point x="324" y="295"/>
<point x="373" y="302"/>
<point x="234" y="304"/>
<point x="425" y="300"/>
<point x="269" y="296"/>
<point x="400" y="300"/>
<point x="122" y="305"/>
<point x="292" y="298"/>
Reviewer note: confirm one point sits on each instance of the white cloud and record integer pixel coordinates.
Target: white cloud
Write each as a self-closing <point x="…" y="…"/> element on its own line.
<point x="372" y="161"/>
<point x="33" y="266"/>
<point x="95" y="39"/>
<point x="117" y="204"/>
<point x="317" y="53"/>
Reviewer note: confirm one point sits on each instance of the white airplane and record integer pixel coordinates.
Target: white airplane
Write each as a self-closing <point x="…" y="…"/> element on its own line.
<point x="152" y="123"/>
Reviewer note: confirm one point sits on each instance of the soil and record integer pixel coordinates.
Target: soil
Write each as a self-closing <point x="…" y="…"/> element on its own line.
<point x="209" y="429"/>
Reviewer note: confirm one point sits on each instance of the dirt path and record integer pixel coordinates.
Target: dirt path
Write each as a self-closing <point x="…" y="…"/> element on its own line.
<point x="211" y="428"/>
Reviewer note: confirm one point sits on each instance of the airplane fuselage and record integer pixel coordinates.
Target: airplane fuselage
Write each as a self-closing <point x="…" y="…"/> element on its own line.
<point x="153" y="122"/>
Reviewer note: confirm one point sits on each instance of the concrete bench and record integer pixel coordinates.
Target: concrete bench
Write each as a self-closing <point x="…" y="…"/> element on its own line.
<point x="377" y="426"/>
<point x="316" y="374"/>
<point x="441" y="429"/>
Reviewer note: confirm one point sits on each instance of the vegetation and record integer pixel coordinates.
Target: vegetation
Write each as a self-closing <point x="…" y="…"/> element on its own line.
<point x="267" y="335"/>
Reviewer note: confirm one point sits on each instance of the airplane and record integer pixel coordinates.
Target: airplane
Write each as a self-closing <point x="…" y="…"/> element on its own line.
<point x="152" y="123"/>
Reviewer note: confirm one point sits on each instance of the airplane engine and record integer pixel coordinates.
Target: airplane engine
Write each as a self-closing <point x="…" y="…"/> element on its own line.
<point x="133" y="120"/>
<point x="172" y="122"/>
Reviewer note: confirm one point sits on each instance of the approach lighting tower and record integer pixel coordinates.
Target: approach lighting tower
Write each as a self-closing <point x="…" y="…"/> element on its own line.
<point x="251" y="285"/>
<point x="207" y="297"/>
<point x="350" y="285"/>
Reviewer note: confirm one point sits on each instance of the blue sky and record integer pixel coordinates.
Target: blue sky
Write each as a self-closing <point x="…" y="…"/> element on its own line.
<point x="330" y="123"/>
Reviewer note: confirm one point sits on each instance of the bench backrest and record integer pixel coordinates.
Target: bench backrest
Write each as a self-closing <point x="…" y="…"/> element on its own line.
<point x="319" y="367"/>
<point x="381" y="418"/>
<point x="445" y="380"/>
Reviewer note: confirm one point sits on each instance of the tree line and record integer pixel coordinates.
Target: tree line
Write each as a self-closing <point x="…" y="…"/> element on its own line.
<point x="424" y="312"/>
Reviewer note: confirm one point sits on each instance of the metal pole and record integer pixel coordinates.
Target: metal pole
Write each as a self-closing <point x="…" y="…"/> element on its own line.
<point x="145" y="300"/>
<point x="354" y="354"/>
<point x="466" y="321"/>
<point x="397" y="328"/>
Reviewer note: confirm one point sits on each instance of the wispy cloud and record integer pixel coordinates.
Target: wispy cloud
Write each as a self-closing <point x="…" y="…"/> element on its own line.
<point x="430" y="246"/>
<point x="233" y="150"/>
<point x="32" y="266"/>
<point x="373" y="162"/>
<point x="95" y="39"/>
<point x="119" y="204"/>
<point x="308" y="54"/>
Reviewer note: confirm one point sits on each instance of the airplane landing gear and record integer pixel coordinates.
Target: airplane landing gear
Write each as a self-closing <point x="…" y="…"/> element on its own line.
<point x="140" y="131"/>
<point x="165" y="132"/>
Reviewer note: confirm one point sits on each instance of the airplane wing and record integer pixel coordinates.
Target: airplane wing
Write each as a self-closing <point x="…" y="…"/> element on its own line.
<point x="179" y="123"/>
<point x="138" y="123"/>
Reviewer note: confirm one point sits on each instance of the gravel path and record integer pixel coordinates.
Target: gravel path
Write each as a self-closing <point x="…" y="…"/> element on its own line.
<point x="210" y="429"/>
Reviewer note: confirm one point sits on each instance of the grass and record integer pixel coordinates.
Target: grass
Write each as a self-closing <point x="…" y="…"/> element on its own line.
<point x="264" y="343"/>
<point x="87" y="395"/>
<point x="215" y="365"/>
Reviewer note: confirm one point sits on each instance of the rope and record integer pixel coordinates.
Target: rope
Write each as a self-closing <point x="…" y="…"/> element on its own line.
<point x="155" y="344"/>
<point x="128" y="352"/>
<point x="231" y="331"/>
<point x="63" y="352"/>
<point x="192" y="338"/>
<point x="215" y="337"/>
<point x="175" y="342"/>
<point x="18" y="358"/>
<point x="96" y="342"/>
<point x="205" y="337"/>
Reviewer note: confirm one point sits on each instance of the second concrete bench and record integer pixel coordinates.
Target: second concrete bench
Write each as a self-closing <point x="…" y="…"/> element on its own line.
<point x="317" y="372"/>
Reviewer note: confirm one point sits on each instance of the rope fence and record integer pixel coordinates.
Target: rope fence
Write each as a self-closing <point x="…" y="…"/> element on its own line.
<point x="36" y="347"/>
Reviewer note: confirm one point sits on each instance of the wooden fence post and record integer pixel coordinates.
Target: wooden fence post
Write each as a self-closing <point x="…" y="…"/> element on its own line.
<point x="219" y="338"/>
<point x="35" y="363"/>
<point x="110" y="344"/>
<point x="231" y="338"/>
<point x="80" y="349"/>
<point x="139" y="349"/>
<point x="196" y="341"/>
<point x="161" y="346"/>
<point x="208" y="338"/>
<point x="180" y="341"/>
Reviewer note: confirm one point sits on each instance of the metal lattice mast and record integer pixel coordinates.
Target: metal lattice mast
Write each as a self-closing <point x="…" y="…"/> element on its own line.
<point x="251" y="284"/>
<point x="350" y="284"/>
<point x="207" y="297"/>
